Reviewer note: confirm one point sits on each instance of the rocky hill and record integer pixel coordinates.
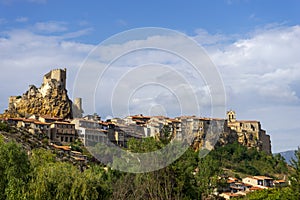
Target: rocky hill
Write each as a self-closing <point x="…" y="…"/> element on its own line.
<point x="49" y="99"/>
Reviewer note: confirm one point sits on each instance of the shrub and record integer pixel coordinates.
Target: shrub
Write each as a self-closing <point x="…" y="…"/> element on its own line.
<point x="4" y="127"/>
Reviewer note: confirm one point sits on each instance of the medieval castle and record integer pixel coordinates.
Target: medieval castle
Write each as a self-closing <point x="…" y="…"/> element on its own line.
<point x="53" y="88"/>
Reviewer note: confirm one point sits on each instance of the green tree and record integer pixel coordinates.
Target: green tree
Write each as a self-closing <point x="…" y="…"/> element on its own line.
<point x="165" y="134"/>
<point x="207" y="176"/>
<point x="91" y="184"/>
<point x="14" y="170"/>
<point x="41" y="157"/>
<point x="295" y="176"/>
<point x="271" y="194"/>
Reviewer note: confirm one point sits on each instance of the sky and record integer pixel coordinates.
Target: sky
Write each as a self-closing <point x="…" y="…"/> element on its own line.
<point x="253" y="46"/>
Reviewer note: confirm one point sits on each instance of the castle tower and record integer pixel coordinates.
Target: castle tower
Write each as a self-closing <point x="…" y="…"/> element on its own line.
<point x="231" y="116"/>
<point x="60" y="75"/>
<point x="77" y="108"/>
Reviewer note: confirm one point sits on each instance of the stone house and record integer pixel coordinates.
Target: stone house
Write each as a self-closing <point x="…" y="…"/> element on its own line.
<point x="90" y="131"/>
<point x="259" y="181"/>
<point x="62" y="132"/>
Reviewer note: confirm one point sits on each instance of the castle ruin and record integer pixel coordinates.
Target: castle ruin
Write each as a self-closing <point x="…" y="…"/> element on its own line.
<point x="60" y="75"/>
<point x="50" y="99"/>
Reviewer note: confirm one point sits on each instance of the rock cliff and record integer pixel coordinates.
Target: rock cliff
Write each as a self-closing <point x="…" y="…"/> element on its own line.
<point x="50" y="99"/>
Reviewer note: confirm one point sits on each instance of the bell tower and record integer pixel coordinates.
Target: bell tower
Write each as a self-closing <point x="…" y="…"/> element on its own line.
<point x="231" y="116"/>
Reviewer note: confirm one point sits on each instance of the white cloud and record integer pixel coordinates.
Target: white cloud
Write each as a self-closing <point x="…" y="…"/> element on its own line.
<point x="266" y="62"/>
<point x="22" y="19"/>
<point x="204" y="38"/>
<point x="51" y="27"/>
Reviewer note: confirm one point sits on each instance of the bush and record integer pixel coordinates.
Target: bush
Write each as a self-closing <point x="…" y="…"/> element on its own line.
<point x="4" y="127"/>
<point x="45" y="141"/>
<point x="76" y="148"/>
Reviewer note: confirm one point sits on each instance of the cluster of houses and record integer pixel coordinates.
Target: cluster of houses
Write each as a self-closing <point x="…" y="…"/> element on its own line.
<point x="56" y="129"/>
<point x="91" y="129"/>
<point x="236" y="187"/>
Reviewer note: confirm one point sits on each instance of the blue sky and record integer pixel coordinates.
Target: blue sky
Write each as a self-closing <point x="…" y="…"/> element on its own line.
<point x="106" y="18"/>
<point x="254" y="45"/>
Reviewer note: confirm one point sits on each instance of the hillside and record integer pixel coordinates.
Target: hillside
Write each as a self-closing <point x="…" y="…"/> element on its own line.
<point x="189" y="177"/>
<point x="240" y="161"/>
<point x="31" y="142"/>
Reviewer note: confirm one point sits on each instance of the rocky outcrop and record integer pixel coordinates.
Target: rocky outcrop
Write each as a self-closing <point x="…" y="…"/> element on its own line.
<point x="50" y="99"/>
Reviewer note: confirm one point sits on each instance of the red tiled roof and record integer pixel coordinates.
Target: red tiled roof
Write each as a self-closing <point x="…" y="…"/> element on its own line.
<point x="279" y="181"/>
<point x="230" y="181"/>
<point x="51" y="118"/>
<point x="262" y="178"/>
<point x="29" y="120"/>
<point x="77" y="158"/>
<point x="140" y="117"/>
<point x="42" y="123"/>
<point x="256" y="188"/>
<point x="66" y="148"/>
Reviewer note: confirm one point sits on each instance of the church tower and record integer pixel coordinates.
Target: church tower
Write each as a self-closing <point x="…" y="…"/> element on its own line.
<point x="231" y="116"/>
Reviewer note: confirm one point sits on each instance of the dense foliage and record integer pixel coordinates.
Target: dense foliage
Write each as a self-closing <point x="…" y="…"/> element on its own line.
<point x="292" y="192"/>
<point x="249" y="161"/>
<point x="40" y="176"/>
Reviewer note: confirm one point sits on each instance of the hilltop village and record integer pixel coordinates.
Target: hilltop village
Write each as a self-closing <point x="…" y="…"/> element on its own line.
<point x="47" y="110"/>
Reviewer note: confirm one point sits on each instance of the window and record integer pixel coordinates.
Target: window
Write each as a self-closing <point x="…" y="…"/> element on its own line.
<point x="66" y="139"/>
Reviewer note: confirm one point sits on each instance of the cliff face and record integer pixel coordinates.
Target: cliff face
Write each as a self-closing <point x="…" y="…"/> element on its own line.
<point x="249" y="133"/>
<point x="50" y="99"/>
